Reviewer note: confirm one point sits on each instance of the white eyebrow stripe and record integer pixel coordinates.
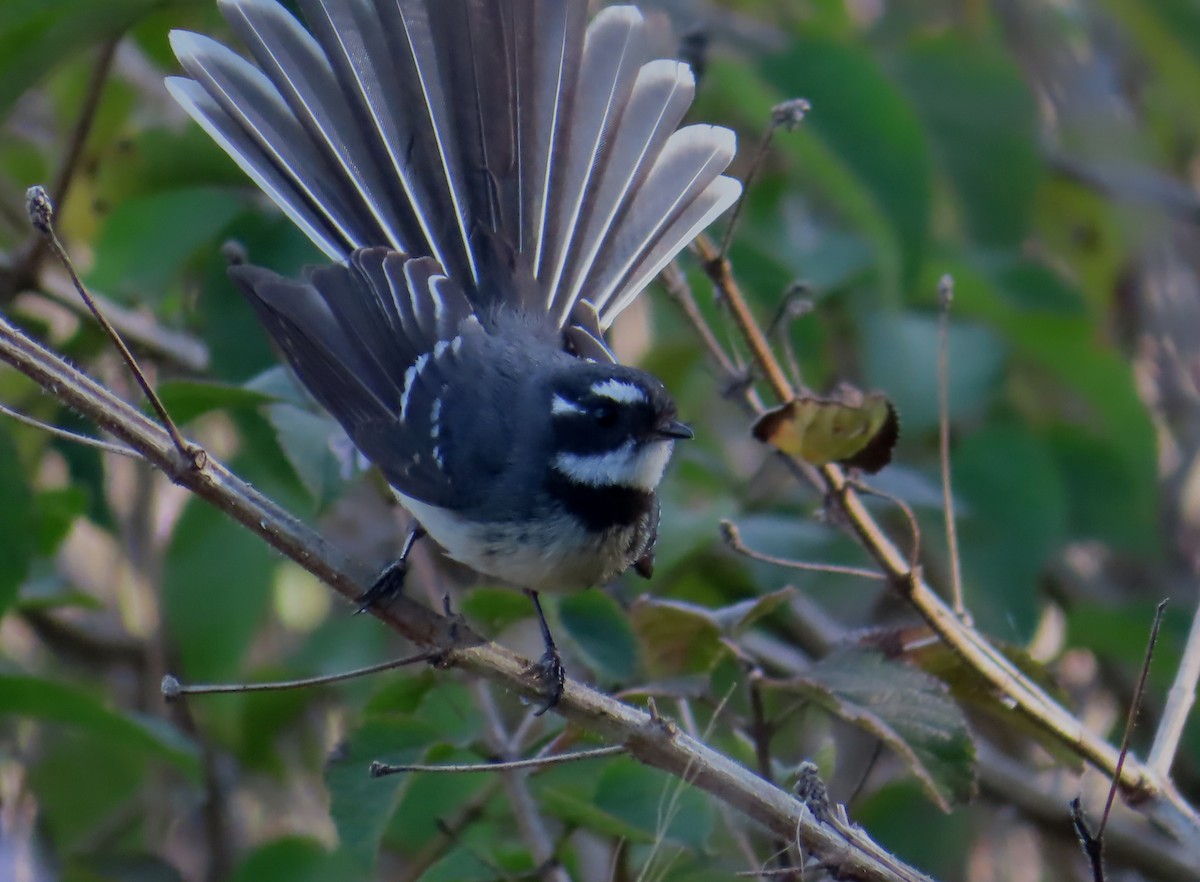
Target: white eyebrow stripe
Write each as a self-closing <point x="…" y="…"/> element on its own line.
<point x="620" y="391"/>
<point x="562" y="405"/>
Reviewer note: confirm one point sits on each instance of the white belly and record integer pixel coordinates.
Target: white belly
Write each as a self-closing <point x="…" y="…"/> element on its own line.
<point x="561" y="556"/>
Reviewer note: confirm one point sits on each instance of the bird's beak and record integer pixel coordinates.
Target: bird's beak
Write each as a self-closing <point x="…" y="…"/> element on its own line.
<point x="675" y="430"/>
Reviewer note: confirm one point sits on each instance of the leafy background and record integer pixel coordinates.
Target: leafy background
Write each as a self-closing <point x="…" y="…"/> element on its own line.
<point x="1044" y="156"/>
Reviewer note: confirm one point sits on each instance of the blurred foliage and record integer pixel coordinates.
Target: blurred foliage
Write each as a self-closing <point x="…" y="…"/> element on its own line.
<point x="1041" y="154"/>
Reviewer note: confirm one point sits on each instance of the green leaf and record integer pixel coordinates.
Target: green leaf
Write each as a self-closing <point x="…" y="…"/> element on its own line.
<point x="869" y="126"/>
<point x="601" y="629"/>
<point x="48" y="700"/>
<point x="185" y="400"/>
<point x="216" y="591"/>
<point x="430" y="797"/>
<point x="36" y="36"/>
<point x="494" y="609"/>
<point x="361" y="805"/>
<point x="581" y="812"/>
<point x="739" y="617"/>
<point x="654" y="802"/>
<point x="676" y="637"/>
<point x="910" y="711"/>
<point x="901" y="358"/>
<point x="306" y="438"/>
<point x="1015" y="519"/>
<point x="982" y="124"/>
<point x="18" y="543"/>
<point x="146" y="240"/>
<point x="84" y="780"/>
<point x="54" y="513"/>
<point x="291" y="859"/>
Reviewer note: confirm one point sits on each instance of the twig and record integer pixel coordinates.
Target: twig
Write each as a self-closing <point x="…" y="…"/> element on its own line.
<point x="379" y="770"/>
<point x="733" y="538"/>
<point x="1093" y="846"/>
<point x="1135" y="705"/>
<point x="787" y="115"/>
<point x="1180" y="699"/>
<point x="914" y="526"/>
<point x="86" y="440"/>
<point x="678" y="289"/>
<point x="172" y="688"/>
<point x="41" y="215"/>
<point x="718" y="270"/>
<point x="761" y="732"/>
<point x="795" y="305"/>
<point x="1129" y="840"/>
<point x="139" y="327"/>
<point x="524" y="808"/>
<point x="945" y="298"/>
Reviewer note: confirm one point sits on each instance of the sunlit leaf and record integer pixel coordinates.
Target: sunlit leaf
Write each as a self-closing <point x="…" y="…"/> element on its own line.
<point x="859" y="431"/>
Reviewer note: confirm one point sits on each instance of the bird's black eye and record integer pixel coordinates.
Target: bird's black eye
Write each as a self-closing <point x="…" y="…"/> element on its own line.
<point x="606" y="416"/>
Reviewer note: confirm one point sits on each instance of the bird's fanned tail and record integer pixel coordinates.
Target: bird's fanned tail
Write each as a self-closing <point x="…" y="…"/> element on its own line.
<point x="485" y="134"/>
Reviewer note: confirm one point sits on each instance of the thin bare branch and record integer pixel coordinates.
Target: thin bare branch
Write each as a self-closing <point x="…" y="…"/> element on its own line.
<point x="41" y="215"/>
<point x="530" y="822"/>
<point x="1180" y="700"/>
<point x="1135" y="706"/>
<point x="86" y="440"/>
<point x="378" y="770"/>
<point x="945" y="298"/>
<point x="787" y="115"/>
<point x="733" y="538"/>
<point x="172" y="688"/>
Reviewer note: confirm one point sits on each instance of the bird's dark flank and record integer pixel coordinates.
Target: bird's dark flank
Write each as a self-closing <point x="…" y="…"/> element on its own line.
<point x="493" y="181"/>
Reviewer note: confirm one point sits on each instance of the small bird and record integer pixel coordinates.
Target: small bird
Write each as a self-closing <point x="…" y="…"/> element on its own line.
<point x="494" y="181"/>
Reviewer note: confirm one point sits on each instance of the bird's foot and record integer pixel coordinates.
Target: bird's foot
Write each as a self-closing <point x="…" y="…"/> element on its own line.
<point x="388" y="585"/>
<point x="552" y="675"/>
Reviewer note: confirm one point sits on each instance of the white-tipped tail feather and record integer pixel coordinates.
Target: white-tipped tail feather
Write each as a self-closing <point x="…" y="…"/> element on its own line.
<point x="475" y="132"/>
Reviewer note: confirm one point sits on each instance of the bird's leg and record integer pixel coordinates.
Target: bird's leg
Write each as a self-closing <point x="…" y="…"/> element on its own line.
<point x="550" y="668"/>
<point x="390" y="582"/>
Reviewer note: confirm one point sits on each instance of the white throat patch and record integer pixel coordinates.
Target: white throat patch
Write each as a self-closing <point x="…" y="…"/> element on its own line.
<point x="628" y="466"/>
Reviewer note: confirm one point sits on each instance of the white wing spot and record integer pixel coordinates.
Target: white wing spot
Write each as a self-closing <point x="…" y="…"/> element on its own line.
<point x="435" y="414"/>
<point x="620" y="391"/>
<point x="562" y="405"/>
<point x="410" y="378"/>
